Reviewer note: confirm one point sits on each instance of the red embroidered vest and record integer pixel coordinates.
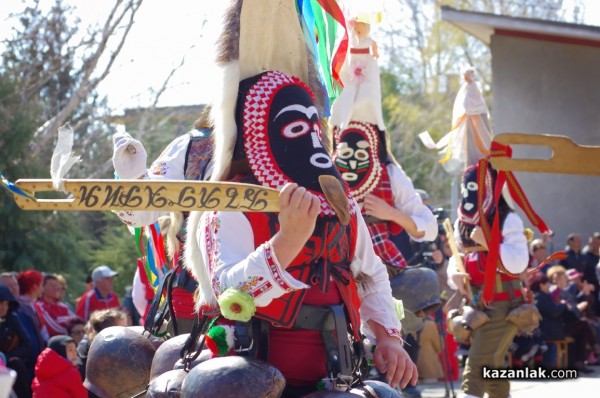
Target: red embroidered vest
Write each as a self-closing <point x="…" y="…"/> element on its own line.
<point x="326" y="257"/>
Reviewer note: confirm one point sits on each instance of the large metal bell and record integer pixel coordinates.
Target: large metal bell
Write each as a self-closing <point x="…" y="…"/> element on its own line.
<point x="167" y="385"/>
<point x="167" y="355"/>
<point x="204" y="356"/>
<point x="233" y="377"/>
<point x="418" y="288"/>
<point x="118" y="364"/>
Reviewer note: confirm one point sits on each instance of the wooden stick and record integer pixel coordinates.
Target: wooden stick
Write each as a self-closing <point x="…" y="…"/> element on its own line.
<point x="567" y="156"/>
<point x="457" y="257"/>
<point x="106" y="195"/>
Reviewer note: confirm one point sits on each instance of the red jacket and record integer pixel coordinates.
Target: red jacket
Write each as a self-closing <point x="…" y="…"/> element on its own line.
<point x="56" y="377"/>
<point x="92" y="301"/>
<point x="55" y="316"/>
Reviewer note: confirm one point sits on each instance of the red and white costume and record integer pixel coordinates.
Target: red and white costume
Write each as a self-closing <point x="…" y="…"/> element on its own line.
<point x="337" y="264"/>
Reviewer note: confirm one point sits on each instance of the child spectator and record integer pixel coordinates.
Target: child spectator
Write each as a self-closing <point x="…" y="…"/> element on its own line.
<point x="76" y="329"/>
<point x="56" y="375"/>
<point x="99" y="320"/>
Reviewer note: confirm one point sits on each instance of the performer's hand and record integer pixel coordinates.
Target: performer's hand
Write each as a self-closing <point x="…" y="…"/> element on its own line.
<point x="297" y="217"/>
<point x="459" y="280"/>
<point x="391" y="358"/>
<point x="129" y="156"/>
<point x="478" y="237"/>
<point x="377" y="207"/>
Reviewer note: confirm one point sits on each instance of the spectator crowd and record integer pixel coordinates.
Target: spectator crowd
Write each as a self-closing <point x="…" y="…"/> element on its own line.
<point x="43" y="339"/>
<point x="566" y="293"/>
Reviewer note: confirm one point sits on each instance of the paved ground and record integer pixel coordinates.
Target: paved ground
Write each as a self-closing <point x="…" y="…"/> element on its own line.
<point x="586" y="385"/>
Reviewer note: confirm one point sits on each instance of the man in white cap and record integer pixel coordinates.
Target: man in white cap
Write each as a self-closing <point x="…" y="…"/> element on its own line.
<point x="101" y="296"/>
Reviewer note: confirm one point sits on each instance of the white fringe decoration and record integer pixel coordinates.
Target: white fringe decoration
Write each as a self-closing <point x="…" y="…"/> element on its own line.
<point x="62" y="159"/>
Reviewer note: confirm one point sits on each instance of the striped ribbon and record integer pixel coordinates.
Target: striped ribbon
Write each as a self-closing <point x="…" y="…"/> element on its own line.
<point x="13" y="188"/>
<point x="151" y="250"/>
<point x="493" y="234"/>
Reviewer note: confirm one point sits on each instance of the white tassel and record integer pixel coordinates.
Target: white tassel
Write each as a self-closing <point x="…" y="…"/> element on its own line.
<point x="223" y="112"/>
<point x="62" y="159"/>
<point x="195" y="264"/>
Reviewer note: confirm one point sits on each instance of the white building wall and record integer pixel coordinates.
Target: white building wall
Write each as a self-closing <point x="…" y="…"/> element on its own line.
<point x="546" y="87"/>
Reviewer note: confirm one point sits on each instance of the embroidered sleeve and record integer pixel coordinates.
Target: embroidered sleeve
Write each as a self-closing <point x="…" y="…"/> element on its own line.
<point x="168" y="166"/>
<point x="373" y="286"/>
<point x="232" y="260"/>
<point x="408" y="200"/>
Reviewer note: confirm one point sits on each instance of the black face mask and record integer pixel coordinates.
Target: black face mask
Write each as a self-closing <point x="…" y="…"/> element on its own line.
<point x="353" y="158"/>
<point x="280" y="128"/>
<point x="357" y="157"/>
<point x="295" y="138"/>
<point x="469" y="188"/>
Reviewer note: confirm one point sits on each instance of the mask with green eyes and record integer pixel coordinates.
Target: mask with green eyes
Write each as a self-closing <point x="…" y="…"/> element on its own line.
<point x="357" y="157"/>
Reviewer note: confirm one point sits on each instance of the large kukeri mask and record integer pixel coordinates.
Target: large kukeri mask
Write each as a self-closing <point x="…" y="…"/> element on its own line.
<point x="280" y="130"/>
<point x="472" y="182"/>
<point x="358" y="157"/>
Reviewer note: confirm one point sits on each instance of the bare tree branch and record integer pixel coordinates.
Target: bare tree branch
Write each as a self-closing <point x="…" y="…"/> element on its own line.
<point x="47" y="131"/>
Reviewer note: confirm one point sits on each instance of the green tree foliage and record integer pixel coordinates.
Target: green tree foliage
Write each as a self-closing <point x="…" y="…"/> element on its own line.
<point x="41" y="72"/>
<point x="43" y="240"/>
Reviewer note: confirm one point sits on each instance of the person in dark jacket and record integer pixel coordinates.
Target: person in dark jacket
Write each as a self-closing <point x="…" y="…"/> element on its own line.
<point x="559" y="320"/>
<point x="14" y="341"/>
<point x="56" y="375"/>
<point x="552" y="323"/>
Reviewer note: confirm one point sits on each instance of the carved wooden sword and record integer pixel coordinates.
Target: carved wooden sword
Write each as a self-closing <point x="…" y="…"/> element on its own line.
<point x="167" y="195"/>
<point x="567" y="156"/>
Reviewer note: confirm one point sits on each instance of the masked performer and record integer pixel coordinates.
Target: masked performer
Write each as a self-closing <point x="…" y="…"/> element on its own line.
<point x="476" y="213"/>
<point x="388" y="199"/>
<point x="363" y="157"/>
<point x="315" y="256"/>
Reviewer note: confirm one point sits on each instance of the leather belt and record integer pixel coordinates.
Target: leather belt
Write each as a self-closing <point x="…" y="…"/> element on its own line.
<point x="332" y="323"/>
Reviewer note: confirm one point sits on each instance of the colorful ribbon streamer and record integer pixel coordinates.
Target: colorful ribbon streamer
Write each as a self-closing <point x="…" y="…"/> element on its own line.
<point x="324" y="18"/>
<point x="150" y="245"/>
<point x="13" y="188"/>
